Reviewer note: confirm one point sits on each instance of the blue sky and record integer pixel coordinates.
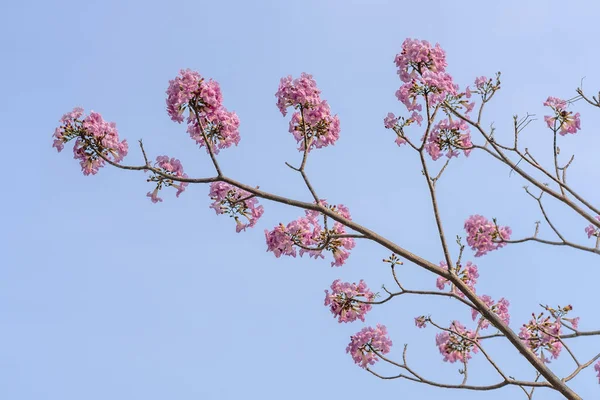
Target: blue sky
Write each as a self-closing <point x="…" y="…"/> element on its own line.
<point x="106" y="295"/>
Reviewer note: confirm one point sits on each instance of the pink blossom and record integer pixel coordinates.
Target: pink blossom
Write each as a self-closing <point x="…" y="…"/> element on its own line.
<point x="301" y="92"/>
<point x="484" y="236"/>
<point x="562" y="119"/>
<point x="417" y="56"/>
<point x="449" y="136"/>
<point x="541" y="334"/>
<point x="168" y="166"/>
<point x="500" y="309"/>
<point x="573" y="321"/>
<point x="421" y="321"/>
<point x="363" y="343"/>
<point x="341" y="300"/>
<point x="597" y="368"/>
<point x="208" y="119"/>
<point x="390" y="121"/>
<point x="95" y="140"/>
<point x="307" y="233"/>
<point x="480" y="82"/>
<point x="468" y="274"/>
<point x="457" y="344"/>
<point x="592" y="230"/>
<point x="237" y="203"/>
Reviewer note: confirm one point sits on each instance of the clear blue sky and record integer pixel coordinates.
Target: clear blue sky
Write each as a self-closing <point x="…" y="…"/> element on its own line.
<point x="104" y="295"/>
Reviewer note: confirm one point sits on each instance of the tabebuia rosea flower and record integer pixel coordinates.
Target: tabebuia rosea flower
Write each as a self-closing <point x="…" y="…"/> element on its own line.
<point x="449" y="136"/>
<point x="207" y="118"/>
<point x="398" y="124"/>
<point x="467" y="273"/>
<point x="421" y="321"/>
<point x="363" y="343"/>
<point x="484" y="236"/>
<point x="542" y="333"/>
<point x="592" y="230"/>
<point x="169" y="166"/>
<point x="458" y="344"/>
<point x="499" y="308"/>
<point x="312" y="124"/>
<point x="241" y="205"/>
<point x="422" y="68"/>
<point x="94" y="139"/>
<point x="312" y="239"/>
<point x="563" y="121"/>
<point x="597" y="368"/>
<point x="341" y="300"/>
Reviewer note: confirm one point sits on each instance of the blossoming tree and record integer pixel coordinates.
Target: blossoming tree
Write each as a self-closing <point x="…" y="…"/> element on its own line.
<point x="446" y="115"/>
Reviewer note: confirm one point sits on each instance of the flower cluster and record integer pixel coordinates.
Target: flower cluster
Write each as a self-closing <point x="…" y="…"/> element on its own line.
<point x="364" y="342"/>
<point x="422" y="68"/>
<point x="542" y="334"/>
<point x="484" y="236"/>
<point x="468" y="274"/>
<point x="449" y="136"/>
<point x="341" y="300"/>
<point x="307" y="234"/>
<point x="499" y="308"/>
<point x="564" y="121"/>
<point x="208" y="119"/>
<point x="168" y="166"/>
<point x="421" y="321"/>
<point x="95" y="140"/>
<point x="592" y="230"/>
<point x="457" y="344"/>
<point x="312" y="124"/>
<point x="238" y="203"/>
<point x="398" y="124"/>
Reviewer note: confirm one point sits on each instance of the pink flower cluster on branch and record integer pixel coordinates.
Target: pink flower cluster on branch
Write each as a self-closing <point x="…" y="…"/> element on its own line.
<point x="457" y="344"/>
<point x="208" y="119"/>
<point x="564" y="121"/>
<point x="237" y="203"/>
<point x="484" y="236"/>
<point x="542" y="334"/>
<point x="499" y="308"/>
<point x="312" y="239"/>
<point x="364" y="342"/>
<point x="341" y="300"/>
<point x="93" y="137"/>
<point x="169" y="166"/>
<point x="591" y="230"/>
<point x="449" y="136"/>
<point x="467" y="273"/>
<point x="422" y="68"/>
<point x="312" y="124"/>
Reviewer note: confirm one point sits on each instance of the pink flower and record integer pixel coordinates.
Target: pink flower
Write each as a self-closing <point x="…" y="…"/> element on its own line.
<point x="341" y="300"/>
<point x="169" y="166"/>
<point x="468" y="274"/>
<point x="95" y="140"/>
<point x="449" y="136"/>
<point x="597" y="368"/>
<point x="307" y="233"/>
<point x="421" y="321"/>
<point x="390" y="121"/>
<point x="562" y="119"/>
<point x="417" y="56"/>
<point x="363" y="343"/>
<point x="458" y="344"/>
<point x="208" y="119"/>
<point x="592" y="230"/>
<point x="299" y="92"/>
<point x="484" y="236"/>
<point x="500" y="308"/>
<point x="312" y="125"/>
<point x="480" y="82"/>
<point x="542" y="334"/>
<point x="236" y="202"/>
